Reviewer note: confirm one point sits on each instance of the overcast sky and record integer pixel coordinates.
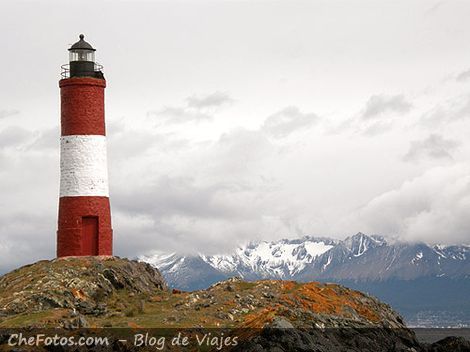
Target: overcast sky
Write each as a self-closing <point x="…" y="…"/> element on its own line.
<point x="237" y="121"/>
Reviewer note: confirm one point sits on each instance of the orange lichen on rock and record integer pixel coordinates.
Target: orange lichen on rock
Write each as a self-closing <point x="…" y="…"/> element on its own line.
<point x="321" y="298"/>
<point x="288" y="285"/>
<point x="259" y="319"/>
<point x="133" y="325"/>
<point x="79" y="294"/>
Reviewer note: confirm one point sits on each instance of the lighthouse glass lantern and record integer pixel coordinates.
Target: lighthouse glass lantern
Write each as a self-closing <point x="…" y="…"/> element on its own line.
<point x="82" y="59"/>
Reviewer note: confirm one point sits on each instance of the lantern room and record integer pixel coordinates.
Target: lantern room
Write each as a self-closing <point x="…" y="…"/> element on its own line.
<point x="82" y="60"/>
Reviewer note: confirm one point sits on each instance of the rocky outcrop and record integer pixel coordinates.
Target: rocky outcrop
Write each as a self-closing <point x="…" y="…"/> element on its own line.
<point x="305" y="305"/>
<point x="451" y="343"/>
<point x="291" y="316"/>
<point x="79" y="284"/>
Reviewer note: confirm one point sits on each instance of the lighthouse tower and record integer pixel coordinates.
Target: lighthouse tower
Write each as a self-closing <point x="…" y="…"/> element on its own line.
<point x="84" y="226"/>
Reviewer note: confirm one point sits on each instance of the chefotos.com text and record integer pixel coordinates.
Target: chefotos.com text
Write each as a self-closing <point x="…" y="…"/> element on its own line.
<point x="56" y="340"/>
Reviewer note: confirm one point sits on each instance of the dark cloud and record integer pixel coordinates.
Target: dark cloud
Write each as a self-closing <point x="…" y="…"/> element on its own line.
<point x="287" y="121"/>
<point x="378" y="105"/>
<point x="433" y="147"/>
<point x="7" y="113"/>
<point x="213" y="100"/>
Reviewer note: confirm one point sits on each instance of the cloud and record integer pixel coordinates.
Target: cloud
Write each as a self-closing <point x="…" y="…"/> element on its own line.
<point x="13" y="136"/>
<point x="453" y="110"/>
<point x="47" y="140"/>
<point x="197" y="109"/>
<point x="378" y="105"/>
<point x="376" y="127"/>
<point x="435" y="7"/>
<point x="433" y="147"/>
<point x="182" y="197"/>
<point x="177" y="115"/>
<point x="287" y="121"/>
<point x="215" y="191"/>
<point x="29" y="188"/>
<point x="25" y="237"/>
<point x="136" y="143"/>
<point x="463" y="76"/>
<point x="376" y="117"/>
<point x="125" y="142"/>
<point x="8" y="113"/>
<point x="213" y="100"/>
<point x="432" y="208"/>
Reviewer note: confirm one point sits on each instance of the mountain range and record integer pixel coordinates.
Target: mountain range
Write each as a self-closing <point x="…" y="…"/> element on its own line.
<point x="428" y="284"/>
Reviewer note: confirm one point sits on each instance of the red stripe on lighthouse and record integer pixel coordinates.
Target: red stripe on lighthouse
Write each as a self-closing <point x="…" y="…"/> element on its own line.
<point x="82" y="100"/>
<point x="73" y="237"/>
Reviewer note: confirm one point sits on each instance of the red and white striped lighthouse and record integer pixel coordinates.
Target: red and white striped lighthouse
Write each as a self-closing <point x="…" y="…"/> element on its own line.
<point x="84" y="226"/>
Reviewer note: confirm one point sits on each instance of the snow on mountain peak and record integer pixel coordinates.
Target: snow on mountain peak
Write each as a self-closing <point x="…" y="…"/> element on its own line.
<point x="281" y="258"/>
<point x="417" y="258"/>
<point x="360" y="243"/>
<point x="358" y="257"/>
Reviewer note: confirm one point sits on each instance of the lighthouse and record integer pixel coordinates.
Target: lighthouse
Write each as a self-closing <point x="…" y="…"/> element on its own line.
<point x="84" y="221"/>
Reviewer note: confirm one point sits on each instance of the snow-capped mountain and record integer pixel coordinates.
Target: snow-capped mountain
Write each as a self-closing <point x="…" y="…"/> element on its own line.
<point x="428" y="284"/>
<point x="281" y="259"/>
<point x="358" y="258"/>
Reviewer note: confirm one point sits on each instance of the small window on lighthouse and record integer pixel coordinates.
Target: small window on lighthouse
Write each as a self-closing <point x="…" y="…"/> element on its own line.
<point x="82" y="55"/>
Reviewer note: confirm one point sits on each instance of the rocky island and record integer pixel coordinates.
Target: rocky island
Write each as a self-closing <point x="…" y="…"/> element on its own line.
<point x="113" y="294"/>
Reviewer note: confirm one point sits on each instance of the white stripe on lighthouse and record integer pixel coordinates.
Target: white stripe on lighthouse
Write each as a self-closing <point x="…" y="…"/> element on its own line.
<point x="83" y="166"/>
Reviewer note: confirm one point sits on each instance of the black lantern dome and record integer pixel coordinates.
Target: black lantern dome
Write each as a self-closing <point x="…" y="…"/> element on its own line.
<point x="82" y="60"/>
<point x="82" y="44"/>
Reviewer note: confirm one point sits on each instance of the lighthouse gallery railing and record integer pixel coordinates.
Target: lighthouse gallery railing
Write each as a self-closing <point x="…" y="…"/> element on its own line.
<point x="65" y="73"/>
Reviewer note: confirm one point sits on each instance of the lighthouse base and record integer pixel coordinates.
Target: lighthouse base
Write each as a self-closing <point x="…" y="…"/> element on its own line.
<point x="84" y="227"/>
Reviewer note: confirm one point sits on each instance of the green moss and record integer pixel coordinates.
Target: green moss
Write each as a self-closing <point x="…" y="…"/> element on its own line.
<point x="27" y="319"/>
